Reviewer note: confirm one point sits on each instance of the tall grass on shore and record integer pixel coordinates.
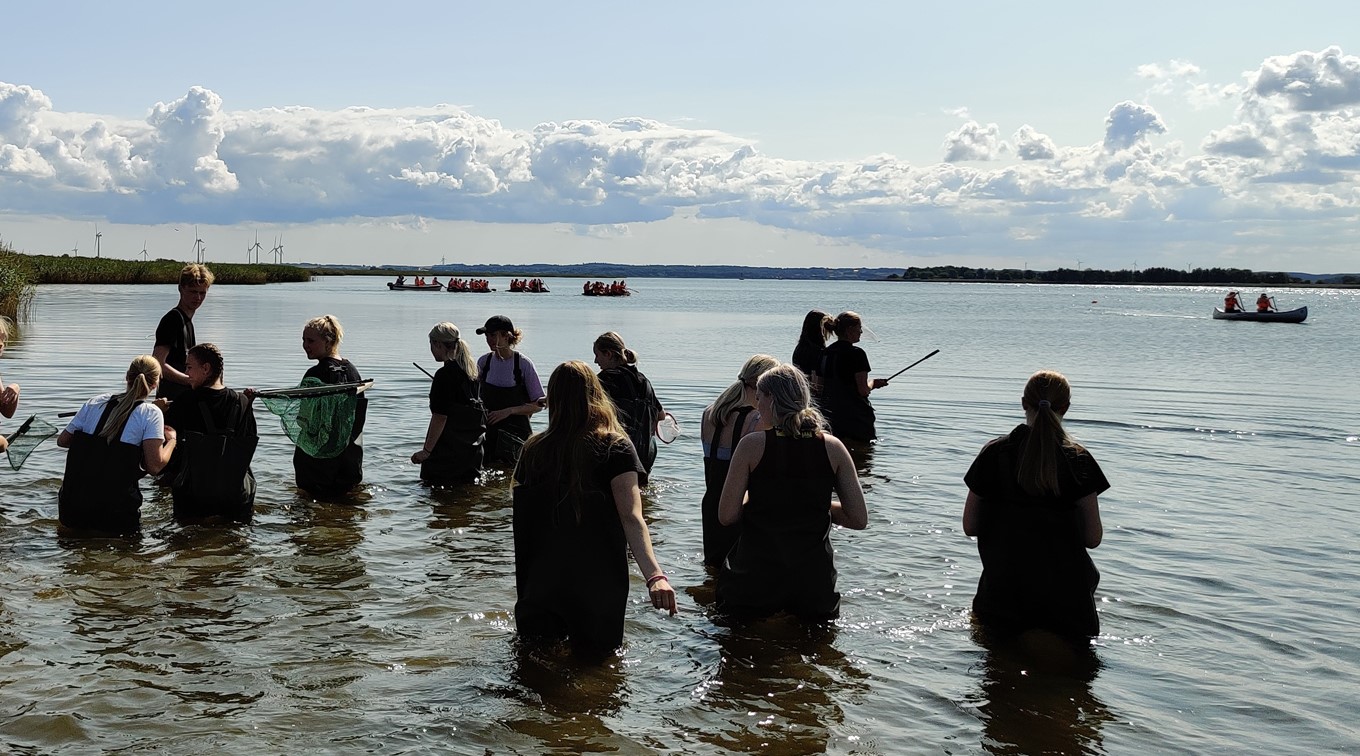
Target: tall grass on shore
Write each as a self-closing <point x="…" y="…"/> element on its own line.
<point x="16" y="288"/>
<point x="49" y="269"/>
<point x="19" y="273"/>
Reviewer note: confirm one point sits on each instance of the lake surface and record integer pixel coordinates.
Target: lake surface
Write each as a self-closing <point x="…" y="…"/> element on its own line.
<point x="1229" y="566"/>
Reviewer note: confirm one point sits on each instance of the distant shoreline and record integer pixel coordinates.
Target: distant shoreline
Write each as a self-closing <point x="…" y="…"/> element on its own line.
<point x="1216" y="277"/>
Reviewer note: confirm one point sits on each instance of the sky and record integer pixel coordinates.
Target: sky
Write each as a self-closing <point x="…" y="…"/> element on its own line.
<point x="852" y="134"/>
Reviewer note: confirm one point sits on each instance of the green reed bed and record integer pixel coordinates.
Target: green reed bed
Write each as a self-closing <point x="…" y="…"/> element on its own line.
<point x="89" y="270"/>
<point x="19" y="273"/>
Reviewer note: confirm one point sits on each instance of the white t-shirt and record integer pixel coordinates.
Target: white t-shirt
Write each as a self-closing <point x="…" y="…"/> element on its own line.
<point x="145" y="422"/>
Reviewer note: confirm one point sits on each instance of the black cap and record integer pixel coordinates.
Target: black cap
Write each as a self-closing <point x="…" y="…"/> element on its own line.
<point x="496" y="323"/>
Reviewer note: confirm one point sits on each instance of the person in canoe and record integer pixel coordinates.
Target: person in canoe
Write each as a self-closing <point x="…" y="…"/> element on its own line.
<point x="1231" y="303"/>
<point x="1263" y="303"/>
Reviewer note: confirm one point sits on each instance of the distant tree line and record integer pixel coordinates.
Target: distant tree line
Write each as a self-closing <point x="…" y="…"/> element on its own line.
<point x="1096" y="276"/>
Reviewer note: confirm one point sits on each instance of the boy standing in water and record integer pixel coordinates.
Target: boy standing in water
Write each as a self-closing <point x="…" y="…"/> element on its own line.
<point x="175" y="333"/>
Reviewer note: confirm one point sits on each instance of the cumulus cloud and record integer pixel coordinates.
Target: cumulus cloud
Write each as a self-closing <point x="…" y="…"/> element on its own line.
<point x="1291" y="149"/>
<point x="973" y="141"/>
<point x="1310" y="82"/>
<point x="1031" y="145"/>
<point x="1129" y="123"/>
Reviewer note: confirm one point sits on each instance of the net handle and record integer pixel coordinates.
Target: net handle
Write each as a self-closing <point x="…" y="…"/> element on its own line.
<point x="330" y="388"/>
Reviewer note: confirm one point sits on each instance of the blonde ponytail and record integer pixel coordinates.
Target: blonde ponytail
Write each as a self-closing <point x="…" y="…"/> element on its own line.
<point x="142" y="376"/>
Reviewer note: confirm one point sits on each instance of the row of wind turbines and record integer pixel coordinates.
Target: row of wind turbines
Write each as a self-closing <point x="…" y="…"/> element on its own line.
<point x="200" y="248"/>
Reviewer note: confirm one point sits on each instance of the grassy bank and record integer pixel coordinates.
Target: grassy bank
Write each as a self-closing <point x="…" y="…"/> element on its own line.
<point x="19" y="273"/>
<point x="50" y="269"/>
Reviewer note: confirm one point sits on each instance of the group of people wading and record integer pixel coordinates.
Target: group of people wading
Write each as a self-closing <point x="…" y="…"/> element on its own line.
<point x="778" y="471"/>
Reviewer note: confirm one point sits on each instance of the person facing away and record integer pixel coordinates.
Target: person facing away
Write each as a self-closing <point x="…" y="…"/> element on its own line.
<point x="510" y="390"/>
<point x="9" y="393"/>
<point x="807" y="355"/>
<point x="1032" y="504"/>
<point x="577" y="515"/>
<point x="114" y="440"/>
<point x="328" y="478"/>
<point x="452" y="452"/>
<point x="1263" y="303"/>
<point x="725" y="422"/>
<point x="1231" y="303"/>
<point x="779" y="488"/>
<point x="634" y="399"/>
<point x="210" y="472"/>
<point x="845" y="382"/>
<point x="175" y="333"/>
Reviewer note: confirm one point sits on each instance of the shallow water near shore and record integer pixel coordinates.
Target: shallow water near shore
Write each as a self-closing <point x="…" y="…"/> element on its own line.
<point x="1228" y="568"/>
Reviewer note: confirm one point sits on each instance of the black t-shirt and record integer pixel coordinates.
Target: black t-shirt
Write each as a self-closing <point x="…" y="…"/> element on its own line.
<point x="451" y="389"/>
<point x="339" y="370"/>
<point x="184" y="416"/>
<point x="808" y="357"/>
<point x="176" y="332"/>
<point x="1036" y="571"/>
<point x="847" y="360"/>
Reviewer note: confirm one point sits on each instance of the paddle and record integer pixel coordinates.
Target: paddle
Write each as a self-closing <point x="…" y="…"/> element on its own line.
<point x="423" y="370"/>
<point x="914" y="364"/>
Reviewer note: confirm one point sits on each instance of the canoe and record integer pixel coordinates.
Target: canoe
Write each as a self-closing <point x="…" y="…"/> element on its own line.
<point x="624" y="293"/>
<point x="470" y="291"/>
<point x="1284" y="316"/>
<point x="413" y="287"/>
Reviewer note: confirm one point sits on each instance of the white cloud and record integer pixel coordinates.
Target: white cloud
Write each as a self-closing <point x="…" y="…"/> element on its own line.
<point x="1129" y="123"/>
<point x="1031" y="145"/>
<point x="1309" y="81"/>
<point x="1280" y="154"/>
<point x="973" y="141"/>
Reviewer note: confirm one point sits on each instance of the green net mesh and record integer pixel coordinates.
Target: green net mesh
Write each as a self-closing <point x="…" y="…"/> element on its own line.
<point x="23" y="441"/>
<point x="317" y="416"/>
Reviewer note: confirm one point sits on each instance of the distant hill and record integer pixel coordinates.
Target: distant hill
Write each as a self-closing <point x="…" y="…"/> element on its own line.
<point x="1333" y="278"/>
<point x="617" y="270"/>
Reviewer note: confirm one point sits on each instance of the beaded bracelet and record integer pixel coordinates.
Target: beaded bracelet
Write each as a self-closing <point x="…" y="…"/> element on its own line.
<point x="653" y="579"/>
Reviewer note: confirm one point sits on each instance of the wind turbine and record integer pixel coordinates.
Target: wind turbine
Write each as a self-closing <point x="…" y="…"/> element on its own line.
<point x="76" y="249"/>
<point x="144" y="250"/>
<point x="97" y="236"/>
<point x="200" y="249"/>
<point x="254" y="248"/>
<point x="280" y="249"/>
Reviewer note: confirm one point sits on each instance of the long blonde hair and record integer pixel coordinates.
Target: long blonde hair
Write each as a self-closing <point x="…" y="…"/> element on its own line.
<point x="790" y="400"/>
<point x="733" y="397"/>
<point x="581" y="424"/>
<point x="1047" y="395"/>
<point x="142" y="376"/>
<point x="447" y="333"/>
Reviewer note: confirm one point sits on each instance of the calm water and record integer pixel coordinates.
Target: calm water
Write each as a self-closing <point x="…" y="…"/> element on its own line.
<point x="1229" y="564"/>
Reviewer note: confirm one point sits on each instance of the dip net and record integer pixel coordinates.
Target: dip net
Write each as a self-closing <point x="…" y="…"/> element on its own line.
<point x="316" y="416"/>
<point x="29" y="436"/>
